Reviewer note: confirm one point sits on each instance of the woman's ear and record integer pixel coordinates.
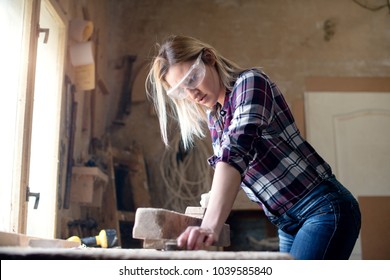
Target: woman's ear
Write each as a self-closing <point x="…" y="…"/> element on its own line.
<point x="209" y="57"/>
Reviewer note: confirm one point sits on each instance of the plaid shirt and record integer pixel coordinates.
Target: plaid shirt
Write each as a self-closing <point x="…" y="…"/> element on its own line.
<point x="254" y="131"/>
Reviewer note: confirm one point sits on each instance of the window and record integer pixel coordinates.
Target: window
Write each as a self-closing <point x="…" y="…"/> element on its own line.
<point x="30" y="114"/>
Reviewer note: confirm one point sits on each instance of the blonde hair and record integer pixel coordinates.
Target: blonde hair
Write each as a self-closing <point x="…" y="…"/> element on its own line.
<point x="190" y="116"/>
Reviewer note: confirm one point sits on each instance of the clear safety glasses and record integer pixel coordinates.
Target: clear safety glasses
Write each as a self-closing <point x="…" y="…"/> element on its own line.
<point x="191" y="80"/>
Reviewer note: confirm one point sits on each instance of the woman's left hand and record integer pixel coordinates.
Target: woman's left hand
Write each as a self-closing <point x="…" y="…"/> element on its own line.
<point x="196" y="238"/>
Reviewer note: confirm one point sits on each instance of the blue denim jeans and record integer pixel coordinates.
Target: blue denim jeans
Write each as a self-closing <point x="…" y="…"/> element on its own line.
<point x="323" y="225"/>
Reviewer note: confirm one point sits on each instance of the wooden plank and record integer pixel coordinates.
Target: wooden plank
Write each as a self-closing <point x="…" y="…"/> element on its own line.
<point x="22" y="240"/>
<point x="162" y="224"/>
<point x="375" y="227"/>
<point x="126" y="216"/>
<point x="348" y="84"/>
<point x="139" y="182"/>
<point x="108" y="213"/>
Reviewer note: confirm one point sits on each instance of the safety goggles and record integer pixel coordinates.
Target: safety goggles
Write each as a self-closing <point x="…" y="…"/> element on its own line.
<point x="191" y="79"/>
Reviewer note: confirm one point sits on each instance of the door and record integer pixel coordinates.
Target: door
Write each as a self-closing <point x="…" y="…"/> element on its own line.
<point x="349" y="127"/>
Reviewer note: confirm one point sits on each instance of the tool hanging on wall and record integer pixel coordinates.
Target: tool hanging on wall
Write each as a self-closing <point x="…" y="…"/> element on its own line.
<point x="72" y="131"/>
<point x="87" y="227"/>
<point x="125" y="99"/>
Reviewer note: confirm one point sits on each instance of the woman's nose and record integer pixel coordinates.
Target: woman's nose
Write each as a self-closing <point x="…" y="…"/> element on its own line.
<point x="192" y="93"/>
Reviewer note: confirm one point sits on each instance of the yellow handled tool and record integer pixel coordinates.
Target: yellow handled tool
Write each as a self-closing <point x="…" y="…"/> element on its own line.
<point x="106" y="239"/>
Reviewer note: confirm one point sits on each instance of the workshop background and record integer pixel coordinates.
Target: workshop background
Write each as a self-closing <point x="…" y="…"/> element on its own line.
<point x="111" y="159"/>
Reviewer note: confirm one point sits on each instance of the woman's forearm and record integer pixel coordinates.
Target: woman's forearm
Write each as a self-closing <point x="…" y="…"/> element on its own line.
<point x="224" y="189"/>
<point x="225" y="186"/>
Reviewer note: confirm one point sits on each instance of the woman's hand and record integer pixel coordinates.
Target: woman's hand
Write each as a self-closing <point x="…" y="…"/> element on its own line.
<point x="226" y="184"/>
<point x="196" y="238"/>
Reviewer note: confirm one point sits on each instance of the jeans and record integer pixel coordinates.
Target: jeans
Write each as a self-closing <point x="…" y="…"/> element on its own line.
<point x="325" y="224"/>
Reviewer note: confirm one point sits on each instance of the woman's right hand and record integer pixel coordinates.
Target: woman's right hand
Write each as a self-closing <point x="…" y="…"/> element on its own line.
<point x="226" y="184"/>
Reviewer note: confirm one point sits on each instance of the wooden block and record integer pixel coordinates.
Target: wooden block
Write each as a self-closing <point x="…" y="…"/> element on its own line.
<point x="196" y="212"/>
<point x="13" y="239"/>
<point x="87" y="185"/>
<point x="157" y="224"/>
<point x="53" y="243"/>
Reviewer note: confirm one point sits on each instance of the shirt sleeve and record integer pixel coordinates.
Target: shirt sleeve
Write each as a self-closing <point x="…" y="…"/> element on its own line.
<point x="252" y="107"/>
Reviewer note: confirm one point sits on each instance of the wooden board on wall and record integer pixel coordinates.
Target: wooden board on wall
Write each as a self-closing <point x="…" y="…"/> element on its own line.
<point x="375" y="227"/>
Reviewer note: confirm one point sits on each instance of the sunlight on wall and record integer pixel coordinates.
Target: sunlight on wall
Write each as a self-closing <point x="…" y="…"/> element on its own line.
<point x="11" y="71"/>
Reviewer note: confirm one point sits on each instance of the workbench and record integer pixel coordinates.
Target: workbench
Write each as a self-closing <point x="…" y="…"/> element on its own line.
<point x="20" y="253"/>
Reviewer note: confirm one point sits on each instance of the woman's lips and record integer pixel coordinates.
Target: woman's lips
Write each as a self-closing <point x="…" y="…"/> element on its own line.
<point x="199" y="100"/>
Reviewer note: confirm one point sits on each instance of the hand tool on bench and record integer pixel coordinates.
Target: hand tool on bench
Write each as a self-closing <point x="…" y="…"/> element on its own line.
<point x="106" y="239"/>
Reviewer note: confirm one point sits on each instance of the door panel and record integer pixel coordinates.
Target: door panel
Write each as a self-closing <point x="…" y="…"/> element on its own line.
<point x="362" y="138"/>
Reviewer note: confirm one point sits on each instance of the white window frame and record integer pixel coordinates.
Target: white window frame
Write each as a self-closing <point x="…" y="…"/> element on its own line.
<point x="15" y="207"/>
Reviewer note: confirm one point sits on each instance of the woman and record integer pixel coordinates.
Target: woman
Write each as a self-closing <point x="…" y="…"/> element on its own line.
<point x="257" y="147"/>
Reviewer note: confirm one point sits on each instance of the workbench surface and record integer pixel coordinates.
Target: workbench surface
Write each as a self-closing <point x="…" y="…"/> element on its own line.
<point x="133" y="254"/>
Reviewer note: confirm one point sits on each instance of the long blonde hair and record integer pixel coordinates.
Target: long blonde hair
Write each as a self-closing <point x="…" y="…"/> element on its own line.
<point x="191" y="117"/>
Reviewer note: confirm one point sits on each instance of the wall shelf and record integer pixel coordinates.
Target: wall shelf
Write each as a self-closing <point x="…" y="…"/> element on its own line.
<point x="88" y="185"/>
